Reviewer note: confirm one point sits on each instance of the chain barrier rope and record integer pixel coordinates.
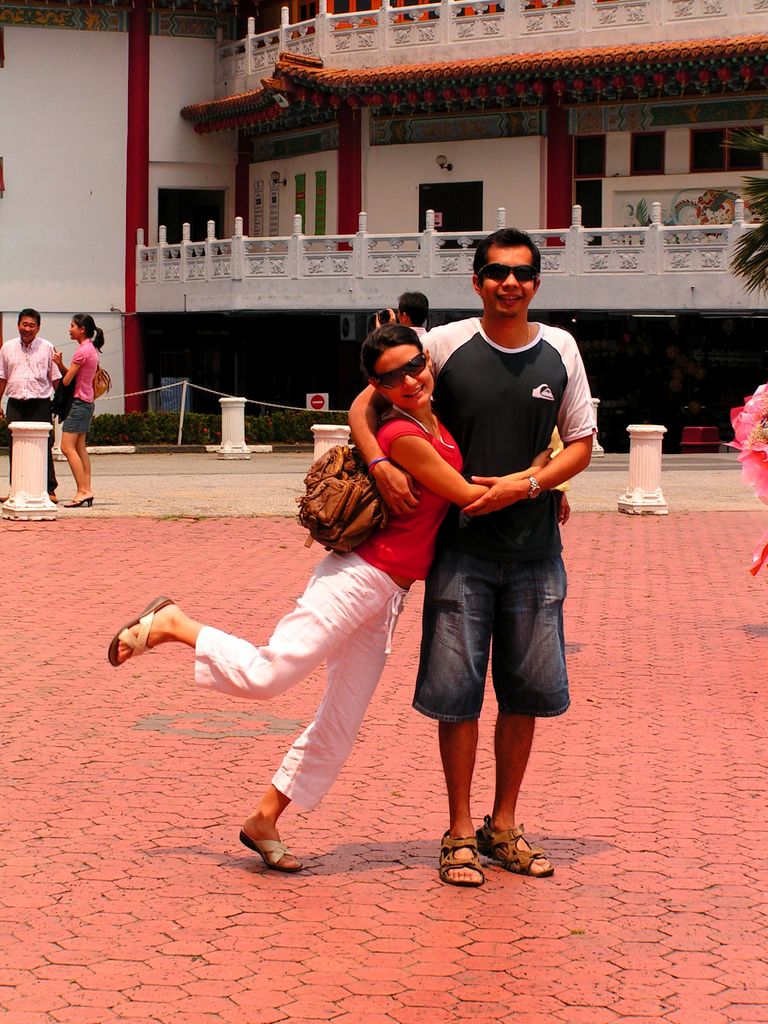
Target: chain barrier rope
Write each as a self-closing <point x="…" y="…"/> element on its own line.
<point x="131" y="394"/>
<point x="220" y="394"/>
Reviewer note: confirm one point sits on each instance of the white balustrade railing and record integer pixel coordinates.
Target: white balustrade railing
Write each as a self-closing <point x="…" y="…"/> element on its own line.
<point x="425" y="24"/>
<point x="261" y="51"/>
<point x="298" y="38"/>
<point x="333" y="257"/>
<point x="367" y="38"/>
<point x="265" y="257"/>
<point x="573" y="252"/>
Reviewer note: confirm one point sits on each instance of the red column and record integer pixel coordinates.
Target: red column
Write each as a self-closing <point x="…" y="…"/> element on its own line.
<point x="350" y="168"/>
<point x="559" y="167"/>
<point x="136" y="191"/>
<point x="241" y="180"/>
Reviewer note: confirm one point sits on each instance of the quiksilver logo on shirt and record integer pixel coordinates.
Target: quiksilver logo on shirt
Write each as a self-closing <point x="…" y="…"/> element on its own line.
<point x="543" y="391"/>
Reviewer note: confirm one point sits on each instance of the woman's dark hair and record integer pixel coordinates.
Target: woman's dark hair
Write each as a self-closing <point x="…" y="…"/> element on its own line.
<point x="86" y="321"/>
<point x="378" y="341"/>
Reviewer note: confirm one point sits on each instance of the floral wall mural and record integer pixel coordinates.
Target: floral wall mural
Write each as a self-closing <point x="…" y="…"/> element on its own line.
<point x="685" y="206"/>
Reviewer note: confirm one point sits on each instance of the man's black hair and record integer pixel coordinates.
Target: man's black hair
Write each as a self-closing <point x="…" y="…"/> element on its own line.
<point x="416" y="305"/>
<point x="506" y="238"/>
<point x="30" y="313"/>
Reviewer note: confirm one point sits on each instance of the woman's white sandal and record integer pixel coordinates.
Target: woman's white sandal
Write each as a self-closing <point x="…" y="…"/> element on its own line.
<point x="137" y="644"/>
<point x="271" y="852"/>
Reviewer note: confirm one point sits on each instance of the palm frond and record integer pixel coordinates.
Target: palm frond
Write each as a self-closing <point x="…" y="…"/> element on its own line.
<point x="750" y="259"/>
<point x="757" y="197"/>
<point x="750" y="254"/>
<point x="749" y="139"/>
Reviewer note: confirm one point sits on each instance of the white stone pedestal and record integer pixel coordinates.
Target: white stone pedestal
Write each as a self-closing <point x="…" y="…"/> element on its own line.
<point x="326" y="435"/>
<point x="29" y="475"/>
<point x="233" y="444"/>
<point x="598" y="452"/>
<point x="643" y="495"/>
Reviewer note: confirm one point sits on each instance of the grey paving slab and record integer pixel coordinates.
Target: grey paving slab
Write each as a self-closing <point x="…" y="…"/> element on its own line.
<point x="202" y="486"/>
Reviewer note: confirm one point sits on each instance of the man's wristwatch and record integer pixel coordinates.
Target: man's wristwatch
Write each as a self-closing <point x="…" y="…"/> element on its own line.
<point x="535" y="487"/>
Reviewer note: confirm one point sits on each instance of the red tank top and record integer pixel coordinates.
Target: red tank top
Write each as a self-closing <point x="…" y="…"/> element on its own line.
<point x="406" y="545"/>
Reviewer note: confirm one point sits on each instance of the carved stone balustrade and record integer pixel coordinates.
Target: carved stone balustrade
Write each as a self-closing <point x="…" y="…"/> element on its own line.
<point x="658" y="267"/>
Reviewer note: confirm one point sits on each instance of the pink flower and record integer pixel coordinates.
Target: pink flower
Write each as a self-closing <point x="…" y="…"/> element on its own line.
<point x="750" y="427"/>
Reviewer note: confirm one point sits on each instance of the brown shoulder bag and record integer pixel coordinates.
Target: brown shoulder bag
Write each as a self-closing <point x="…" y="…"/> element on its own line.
<point x="341" y="506"/>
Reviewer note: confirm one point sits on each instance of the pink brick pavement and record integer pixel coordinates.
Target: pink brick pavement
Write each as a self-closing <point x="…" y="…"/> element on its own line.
<point x="126" y="896"/>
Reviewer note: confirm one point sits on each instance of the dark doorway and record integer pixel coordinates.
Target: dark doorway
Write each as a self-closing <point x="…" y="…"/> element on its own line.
<point x="589" y="196"/>
<point x="458" y="205"/>
<point x="193" y="206"/>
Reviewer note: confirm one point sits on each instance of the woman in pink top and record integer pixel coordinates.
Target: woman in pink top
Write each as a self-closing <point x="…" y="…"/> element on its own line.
<point x="85" y="363"/>
<point x="347" y="614"/>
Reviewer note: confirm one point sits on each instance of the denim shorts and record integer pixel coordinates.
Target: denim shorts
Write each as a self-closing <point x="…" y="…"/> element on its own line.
<point x="473" y="605"/>
<point x="79" y="418"/>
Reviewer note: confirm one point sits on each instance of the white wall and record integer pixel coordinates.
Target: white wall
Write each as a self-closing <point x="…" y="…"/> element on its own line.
<point x="510" y="168"/>
<point x="617" y="154"/>
<point x="677" y="150"/>
<point x="288" y="168"/>
<point x="63" y="110"/>
<point x="62" y="220"/>
<point x="182" y="72"/>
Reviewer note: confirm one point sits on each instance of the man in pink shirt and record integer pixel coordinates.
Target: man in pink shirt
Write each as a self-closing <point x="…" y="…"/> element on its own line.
<point x="28" y="378"/>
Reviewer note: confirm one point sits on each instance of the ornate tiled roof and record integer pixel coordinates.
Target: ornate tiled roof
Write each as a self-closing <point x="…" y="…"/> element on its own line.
<point x="175" y="6"/>
<point x="556" y="61"/>
<point x="302" y="90"/>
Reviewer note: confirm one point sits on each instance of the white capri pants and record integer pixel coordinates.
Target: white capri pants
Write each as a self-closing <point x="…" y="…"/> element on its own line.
<point x="346" y="617"/>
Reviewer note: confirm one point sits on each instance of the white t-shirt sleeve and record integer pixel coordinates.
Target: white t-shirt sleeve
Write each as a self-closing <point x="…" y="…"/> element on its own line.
<point x="577" y="417"/>
<point x="577" y="414"/>
<point x="442" y="342"/>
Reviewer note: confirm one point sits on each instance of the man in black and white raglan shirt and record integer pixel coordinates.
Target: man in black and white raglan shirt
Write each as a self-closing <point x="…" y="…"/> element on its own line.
<point x="503" y="385"/>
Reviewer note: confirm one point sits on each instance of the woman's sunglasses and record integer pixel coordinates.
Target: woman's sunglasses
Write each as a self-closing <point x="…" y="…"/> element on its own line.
<point x="392" y="378"/>
<point x="500" y="272"/>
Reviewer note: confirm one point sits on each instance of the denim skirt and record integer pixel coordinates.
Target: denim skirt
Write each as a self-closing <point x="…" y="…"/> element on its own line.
<point x="79" y="418"/>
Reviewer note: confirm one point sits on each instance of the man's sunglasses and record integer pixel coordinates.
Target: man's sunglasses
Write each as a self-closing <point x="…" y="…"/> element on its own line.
<point x="500" y="272"/>
<point x="392" y="378"/>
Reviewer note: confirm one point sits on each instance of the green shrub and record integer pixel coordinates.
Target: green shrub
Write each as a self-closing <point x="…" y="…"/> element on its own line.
<point x="283" y="426"/>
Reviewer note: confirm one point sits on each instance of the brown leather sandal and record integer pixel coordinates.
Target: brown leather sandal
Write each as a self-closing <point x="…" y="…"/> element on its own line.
<point x="138" y="643"/>
<point x="271" y="852"/>
<point x="448" y="862"/>
<point x="502" y="849"/>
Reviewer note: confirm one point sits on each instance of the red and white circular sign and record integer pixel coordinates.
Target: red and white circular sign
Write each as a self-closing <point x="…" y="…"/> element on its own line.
<point x="317" y="401"/>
